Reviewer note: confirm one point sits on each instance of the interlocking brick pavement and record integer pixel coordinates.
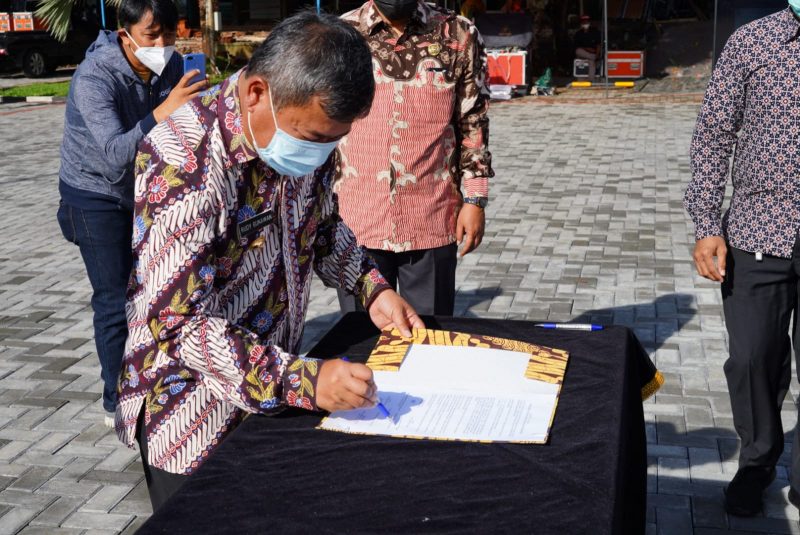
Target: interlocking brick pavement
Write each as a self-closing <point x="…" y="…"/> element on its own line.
<point x="586" y="221"/>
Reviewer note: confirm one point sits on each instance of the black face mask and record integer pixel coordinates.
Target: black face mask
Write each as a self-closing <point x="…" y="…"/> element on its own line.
<point x="396" y="9"/>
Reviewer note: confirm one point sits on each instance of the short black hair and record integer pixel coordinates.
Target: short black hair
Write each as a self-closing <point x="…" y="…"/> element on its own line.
<point x="312" y="54"/>
<point x="165" y="13"/>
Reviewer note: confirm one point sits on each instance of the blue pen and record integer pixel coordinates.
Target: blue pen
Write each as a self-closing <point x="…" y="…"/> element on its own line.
<point x="571" y="326"/>
<point x="381" y="406"/>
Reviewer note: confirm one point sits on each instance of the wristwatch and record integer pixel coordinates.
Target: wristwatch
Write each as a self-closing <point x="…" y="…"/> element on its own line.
<point x="480" y="202"/>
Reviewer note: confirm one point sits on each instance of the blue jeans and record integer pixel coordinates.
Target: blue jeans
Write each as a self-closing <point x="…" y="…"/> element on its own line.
<point x="104" y="239"/>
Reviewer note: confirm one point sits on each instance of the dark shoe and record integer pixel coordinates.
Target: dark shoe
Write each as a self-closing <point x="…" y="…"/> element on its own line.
<point x="743" y="496"/>
<point x="794" y="497"/>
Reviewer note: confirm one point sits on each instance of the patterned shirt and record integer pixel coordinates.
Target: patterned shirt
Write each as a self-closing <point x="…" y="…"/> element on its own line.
<point x="223" y="252"/>
<point x="426" y="134"/>
<point x="752" y="103"/>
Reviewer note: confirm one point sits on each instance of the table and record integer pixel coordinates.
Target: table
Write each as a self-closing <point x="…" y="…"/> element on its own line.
<point x="279" y="474"/>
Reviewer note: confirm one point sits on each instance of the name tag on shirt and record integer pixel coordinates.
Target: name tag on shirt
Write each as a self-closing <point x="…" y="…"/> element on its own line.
<point x="254" y="224"/>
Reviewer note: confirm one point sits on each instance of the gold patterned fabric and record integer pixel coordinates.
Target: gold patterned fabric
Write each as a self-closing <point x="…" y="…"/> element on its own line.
<point x="546" y="364"/>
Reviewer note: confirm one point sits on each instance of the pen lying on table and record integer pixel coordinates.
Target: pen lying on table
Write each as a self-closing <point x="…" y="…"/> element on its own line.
<point x="571" y="326"/>
<point x="381" y="406"/>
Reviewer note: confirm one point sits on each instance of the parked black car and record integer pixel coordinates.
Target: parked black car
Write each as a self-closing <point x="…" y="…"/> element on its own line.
<point x="36" y="52"/>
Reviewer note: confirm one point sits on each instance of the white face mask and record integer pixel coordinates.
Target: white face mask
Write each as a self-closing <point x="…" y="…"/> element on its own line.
<point x="154" y="58"/>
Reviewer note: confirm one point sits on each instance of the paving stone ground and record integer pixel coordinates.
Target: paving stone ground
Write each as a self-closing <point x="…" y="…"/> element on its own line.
<point x="585" y="220"/>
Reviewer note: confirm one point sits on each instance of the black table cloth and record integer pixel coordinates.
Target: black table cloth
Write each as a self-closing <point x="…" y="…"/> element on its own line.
<point x="279" y="474"/>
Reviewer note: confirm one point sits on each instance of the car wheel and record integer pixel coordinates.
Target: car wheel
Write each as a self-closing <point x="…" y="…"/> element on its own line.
<point x="35" y="64"/>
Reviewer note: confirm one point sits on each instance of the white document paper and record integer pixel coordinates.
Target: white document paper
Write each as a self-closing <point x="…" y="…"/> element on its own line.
<point x="457" y="393"/>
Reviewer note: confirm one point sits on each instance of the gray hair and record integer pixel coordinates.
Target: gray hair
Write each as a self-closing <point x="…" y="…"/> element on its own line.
<point x="312" y="54"/>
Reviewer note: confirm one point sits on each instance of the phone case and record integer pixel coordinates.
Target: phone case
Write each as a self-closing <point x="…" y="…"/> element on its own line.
<point x="195" y="61"/>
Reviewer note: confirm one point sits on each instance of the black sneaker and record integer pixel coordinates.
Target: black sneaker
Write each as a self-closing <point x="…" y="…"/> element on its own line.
<point x="744" y="494"/>
<point x="794" y="497"/>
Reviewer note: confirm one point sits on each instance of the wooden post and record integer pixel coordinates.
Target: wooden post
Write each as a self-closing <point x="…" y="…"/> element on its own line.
<point x="714" y="44"/>
<point x="207" y="8"/>
<point x="605" y="43"/>
<point x="207" y="22"/>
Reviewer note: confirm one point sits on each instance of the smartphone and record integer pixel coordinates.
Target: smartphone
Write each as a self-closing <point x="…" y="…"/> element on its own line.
<point x="192" y="62"/>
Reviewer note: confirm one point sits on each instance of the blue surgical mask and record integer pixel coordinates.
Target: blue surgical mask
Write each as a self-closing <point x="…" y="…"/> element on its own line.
<point x="287" y="154"/>
<point x="795" y="5"/>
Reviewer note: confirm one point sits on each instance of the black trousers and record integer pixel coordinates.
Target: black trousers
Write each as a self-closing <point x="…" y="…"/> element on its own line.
<point x="160" y="483"/>
<point x="427" y="279"/>
<point x="759" y="300"/>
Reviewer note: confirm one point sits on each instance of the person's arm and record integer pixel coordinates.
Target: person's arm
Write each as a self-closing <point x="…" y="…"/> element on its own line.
<point x="472" y="132"/>
<point x="100" y="110"/>
<point x="176" y="257"/>
<point x="341" y="263"/>
<point x="714" y="139"/>
<point x="338" y="260"/>
<point x="472" y="117"/>
<point x="96" y="101"/>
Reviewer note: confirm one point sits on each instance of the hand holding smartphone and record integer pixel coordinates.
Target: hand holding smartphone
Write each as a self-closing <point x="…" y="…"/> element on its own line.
<point x="195" y="62"/>
<point x="186" y="89"/>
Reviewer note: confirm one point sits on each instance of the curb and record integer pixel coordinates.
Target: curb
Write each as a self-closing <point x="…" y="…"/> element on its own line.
<point x="46" y="100"/>
<point x="33" y="100"/>
<point x="627" y="99"/>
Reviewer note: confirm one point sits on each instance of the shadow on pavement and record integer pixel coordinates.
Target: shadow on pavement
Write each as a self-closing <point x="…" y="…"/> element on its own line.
<point x="315" y="328"/>
<point x="653" y="322"/>
<point x="471" y="303"/>
<point x="695" y="499"/>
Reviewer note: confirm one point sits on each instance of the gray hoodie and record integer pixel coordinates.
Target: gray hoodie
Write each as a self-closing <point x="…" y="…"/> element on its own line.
<point x="109" y="111"/>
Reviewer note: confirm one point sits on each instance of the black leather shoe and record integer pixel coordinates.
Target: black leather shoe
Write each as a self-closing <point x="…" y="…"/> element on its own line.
<point x="794" y="497"/>
<point x="744" y="494"/>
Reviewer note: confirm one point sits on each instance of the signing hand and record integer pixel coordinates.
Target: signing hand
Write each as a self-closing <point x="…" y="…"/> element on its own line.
<point x="704" y="252"/>
<point x="343" y="386"/>
<point x="469" y="227"/>
<point x="390" y="310"/>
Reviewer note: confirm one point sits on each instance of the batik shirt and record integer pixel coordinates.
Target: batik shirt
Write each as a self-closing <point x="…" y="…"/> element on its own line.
<point x="753" y="104"/>
<point x="223" y="255"/>
<point x="424" y="142"/>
